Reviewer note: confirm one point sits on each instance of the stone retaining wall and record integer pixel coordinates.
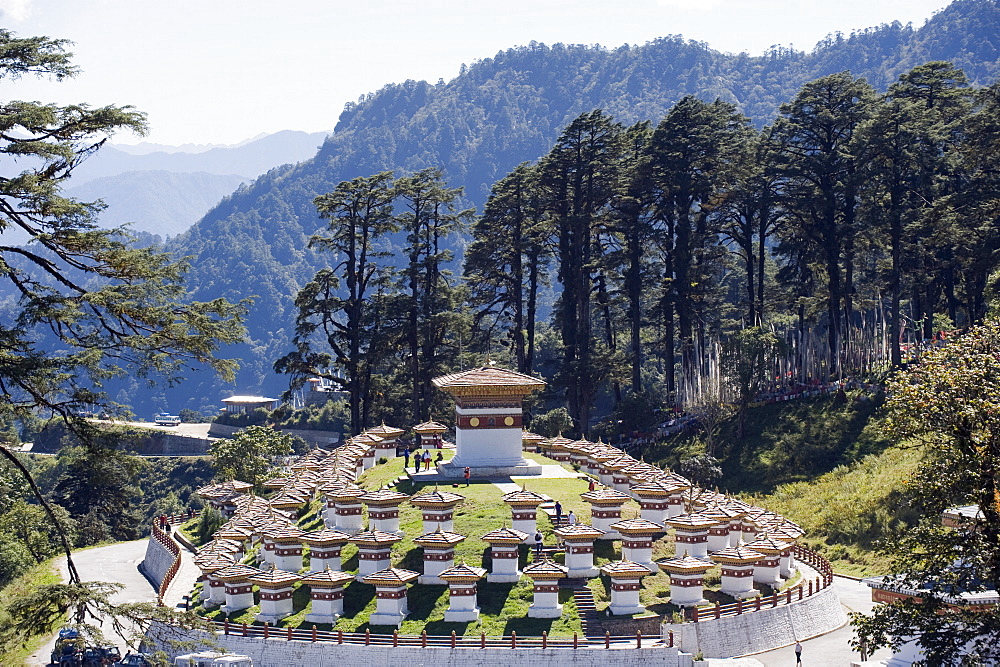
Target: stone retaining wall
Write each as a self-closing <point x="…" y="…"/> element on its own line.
<point x="761" y="630"/>
<point x="324" y="439"/>
<point x="157" y="562"/>
<point x="281" y="653"/>
<point x="649" y="626"/>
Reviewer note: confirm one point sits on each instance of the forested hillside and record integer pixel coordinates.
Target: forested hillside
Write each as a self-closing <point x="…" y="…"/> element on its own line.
<point x="497" y="113"/>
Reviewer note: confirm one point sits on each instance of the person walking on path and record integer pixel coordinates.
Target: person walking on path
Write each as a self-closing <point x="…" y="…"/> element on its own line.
<point x="571" y="518"/>
<point x="798" y="653"/>
<point x="558" y="513"/>
<point x="406" y="457"/>
<point x="467" y="473"/>
<point x="538" y="544"/>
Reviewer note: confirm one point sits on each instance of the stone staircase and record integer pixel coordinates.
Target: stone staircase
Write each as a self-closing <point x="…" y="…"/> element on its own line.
<point x="590" y="618"/>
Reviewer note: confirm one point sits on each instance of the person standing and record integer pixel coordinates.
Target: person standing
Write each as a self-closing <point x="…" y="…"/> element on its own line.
<point x="558" y="513"/>
<point x="593" y="485"/>
<point x="798" y="653"/>
<point x="417" y="460"/>
<point x="539" y="538"/>
<point x="571" y="518"/>
<point x="427" y="459"/>
<point x="467" y="473"/>
<point x="406" y="457"/>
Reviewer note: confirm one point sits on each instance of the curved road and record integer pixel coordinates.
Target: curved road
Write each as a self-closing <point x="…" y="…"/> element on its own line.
<point x="115" y="562"/>
<point x="832" y="649"/>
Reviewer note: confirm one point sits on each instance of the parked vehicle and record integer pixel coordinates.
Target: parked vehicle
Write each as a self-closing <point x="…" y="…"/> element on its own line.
<point x="137" y="660"/>
<point x="101" y="655"/>
<point x="167" y="419"/>
<point x="212" y="659"/>
<point x="68" y="650"/>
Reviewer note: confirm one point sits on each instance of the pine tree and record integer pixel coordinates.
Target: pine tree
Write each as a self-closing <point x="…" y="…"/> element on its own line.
<point x="579" y="176"/>
<point x="360" y="213"/>
<point x="508" y="260"/>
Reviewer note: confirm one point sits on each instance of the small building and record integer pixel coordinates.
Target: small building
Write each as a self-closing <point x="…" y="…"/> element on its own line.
<point x="247" y="404"/>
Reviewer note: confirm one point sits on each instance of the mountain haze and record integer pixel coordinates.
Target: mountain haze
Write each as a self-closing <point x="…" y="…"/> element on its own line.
<point x="249" y="159"/>
<point x="160" y="202"/>
<point x="504" y="110"/>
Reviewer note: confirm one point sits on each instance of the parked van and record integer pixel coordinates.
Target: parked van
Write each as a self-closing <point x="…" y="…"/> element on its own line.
<point x="212" y="659"/>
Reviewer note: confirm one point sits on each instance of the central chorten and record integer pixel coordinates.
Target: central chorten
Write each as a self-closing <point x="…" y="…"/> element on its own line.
<point x="488" y="422"/>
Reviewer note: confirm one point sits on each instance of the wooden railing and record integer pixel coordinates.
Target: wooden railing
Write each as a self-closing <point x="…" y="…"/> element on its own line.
<point x="423" y="640"/>
<point x="170" y="545"/>
<point x="803" y="589"/>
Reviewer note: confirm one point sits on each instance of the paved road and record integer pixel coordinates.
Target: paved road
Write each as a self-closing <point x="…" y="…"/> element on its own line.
<point x="199" y="430"/>
<point x="831" y="649"/>
<point x="116" y="562"/>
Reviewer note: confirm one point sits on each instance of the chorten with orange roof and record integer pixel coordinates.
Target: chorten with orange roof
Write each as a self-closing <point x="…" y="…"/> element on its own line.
<point x="488" y="422"/>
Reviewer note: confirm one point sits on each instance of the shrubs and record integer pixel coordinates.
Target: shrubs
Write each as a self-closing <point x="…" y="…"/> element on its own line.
<point x="208" y="522"/>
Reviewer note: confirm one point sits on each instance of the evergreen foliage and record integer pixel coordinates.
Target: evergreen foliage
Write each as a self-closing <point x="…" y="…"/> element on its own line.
<point x="502" y="111"/>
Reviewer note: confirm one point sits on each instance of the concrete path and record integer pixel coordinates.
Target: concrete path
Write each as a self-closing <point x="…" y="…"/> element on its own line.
<point x="832" y="649"/>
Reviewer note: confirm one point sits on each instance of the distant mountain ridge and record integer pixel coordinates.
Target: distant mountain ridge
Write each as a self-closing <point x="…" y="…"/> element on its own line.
<point x="248" y="159"/>
<point x="163" y="203"/>
<point x="499" y="112"/>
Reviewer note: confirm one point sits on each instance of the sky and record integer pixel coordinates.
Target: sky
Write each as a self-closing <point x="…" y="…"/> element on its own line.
<point x="222" y="71"/>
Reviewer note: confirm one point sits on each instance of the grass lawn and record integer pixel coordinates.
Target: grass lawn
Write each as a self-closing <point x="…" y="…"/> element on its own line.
<point x="503" y="607"/>
<point x="15" y="651"/>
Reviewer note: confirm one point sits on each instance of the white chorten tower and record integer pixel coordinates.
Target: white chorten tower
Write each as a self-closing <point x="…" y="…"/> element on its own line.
<point x="488" y="422"/>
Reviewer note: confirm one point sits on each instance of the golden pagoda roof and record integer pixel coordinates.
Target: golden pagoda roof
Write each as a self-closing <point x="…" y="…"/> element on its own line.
<point x="221" y="489"/>
<point x="274" y="578"/>
<point x="523" y="497"/>
<point x="769" y="546"/>
<point x="374" y="538"/>
<point x="275" y="482"/>
<point x="505" y="535"/>
<point x="287" y="500"/>
<point x="638" y="527"/>
<point x="545" y="569"/>
<point x="462" y="573"/>
<point x="391" y="576"/>
<point x="383" y="497"/>
<point x="436" y="498"/>
<point x="430" y="427"/>
<point x="438" y="538"/>
<point x="738" y="555"/>
<point x="656" y="489"/>
<point x="236" y="572"/>
<point x="324" y="537"/>
<point x="328" y="578"/>
<point x="579" y="532"/>
<point x="620" y="462"/>
<point x="220" y="545"/>
<point x="691" y="521"/>
<point x="685" y="565"/>
<point x="606" y="497"/>
<point x="488" y="381"/>
<point x="347" y="492"/>
<point x="365" y="438"/>
<point x="213" y="562"/>
<point x="284" y="534"/>
<point x="386" y="432"/>
<point x="624" y="569"/>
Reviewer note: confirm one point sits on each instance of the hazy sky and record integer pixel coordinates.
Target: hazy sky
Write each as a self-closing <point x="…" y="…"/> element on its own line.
<point x="220" y="71"/>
